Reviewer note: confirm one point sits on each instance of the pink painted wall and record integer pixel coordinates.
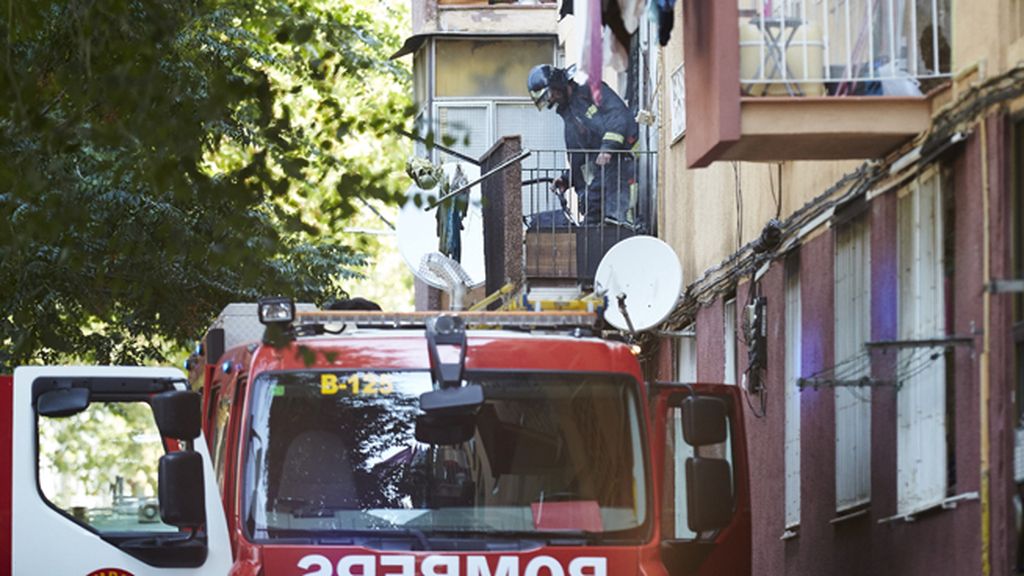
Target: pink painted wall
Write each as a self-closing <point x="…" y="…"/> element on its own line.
<point x="766" y="434"/>
<point x="710" y="347"/>
<point x="938" y="542"/>
<point x="712" y="48"/>
<point x="1002" y="409"/>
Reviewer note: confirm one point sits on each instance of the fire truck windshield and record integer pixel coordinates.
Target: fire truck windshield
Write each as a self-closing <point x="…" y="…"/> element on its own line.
<point x="335" y="454"/>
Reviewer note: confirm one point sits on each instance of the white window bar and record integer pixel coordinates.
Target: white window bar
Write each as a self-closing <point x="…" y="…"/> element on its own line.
<point x="893" y="50"/>
<point x="913" y="35"/>
<point x="869" y="9"/>
<point x="807" y="36"/>
<point x="849" y="45"/>
<point x="784" y="48"/>
<point x="827" y="39"/>
<point x="763" y="44"/>
<point x="935" y="37"/>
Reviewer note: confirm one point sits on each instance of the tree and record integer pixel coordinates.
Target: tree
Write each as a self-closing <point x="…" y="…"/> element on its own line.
<point x="161" y="158"/>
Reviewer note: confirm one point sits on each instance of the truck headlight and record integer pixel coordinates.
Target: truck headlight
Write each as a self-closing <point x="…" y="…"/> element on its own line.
<point x="276" y="310"/>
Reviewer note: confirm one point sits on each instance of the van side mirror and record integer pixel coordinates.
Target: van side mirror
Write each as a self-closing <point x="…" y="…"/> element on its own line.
<point x="181" y="490"/>
<point x="178" y="414"/>
<point x="62" y="402"/>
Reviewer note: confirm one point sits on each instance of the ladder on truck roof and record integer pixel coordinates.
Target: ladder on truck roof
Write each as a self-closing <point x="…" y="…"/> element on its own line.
<point x="497" y="318"/>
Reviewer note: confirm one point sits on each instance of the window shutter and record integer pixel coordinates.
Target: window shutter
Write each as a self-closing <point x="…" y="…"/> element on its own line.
<point x="921" y="401"/>
<point x="794" y="358"/>
<point x="852" y="330"/>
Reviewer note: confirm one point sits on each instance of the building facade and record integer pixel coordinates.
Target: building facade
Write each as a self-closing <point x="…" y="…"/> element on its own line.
<point x="861" y="172"/>
<point x="842" y="181"/>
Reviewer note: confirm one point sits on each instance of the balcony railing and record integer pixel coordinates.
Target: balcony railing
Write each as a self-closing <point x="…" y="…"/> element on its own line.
<point x="572" y="217"/>
<point x="538" y="233"/>
<point x="843" y="47"/>
<point x="493" y="2"/>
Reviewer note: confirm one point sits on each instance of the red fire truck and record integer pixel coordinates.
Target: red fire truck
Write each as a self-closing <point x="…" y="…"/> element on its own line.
<point x="464" y="444"/>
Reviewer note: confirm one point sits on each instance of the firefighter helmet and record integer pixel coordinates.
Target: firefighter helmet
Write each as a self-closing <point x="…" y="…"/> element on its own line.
<point x="541" y="80"/>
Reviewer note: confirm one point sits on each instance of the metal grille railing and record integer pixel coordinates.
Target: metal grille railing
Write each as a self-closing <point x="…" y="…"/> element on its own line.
<point x="573" y="216"/>
<point x="843" y="47"/>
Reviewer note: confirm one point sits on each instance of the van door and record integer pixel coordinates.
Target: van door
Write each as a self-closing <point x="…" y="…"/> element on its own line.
<point x="105" y="479"/>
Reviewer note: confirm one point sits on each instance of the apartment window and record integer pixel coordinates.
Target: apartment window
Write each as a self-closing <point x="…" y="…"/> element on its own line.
<point x="794" y="358"/>
<point x="729" y="321"/>
<point x="921" y="454"/>
<point x="686" y="360"/>
<point x="488" y="67"/>
<point x="479" y="95"/>
<point x="852" y="330"/>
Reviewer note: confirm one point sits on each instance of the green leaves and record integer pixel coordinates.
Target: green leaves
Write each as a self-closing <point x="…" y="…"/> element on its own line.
<point x="160" y="159"/>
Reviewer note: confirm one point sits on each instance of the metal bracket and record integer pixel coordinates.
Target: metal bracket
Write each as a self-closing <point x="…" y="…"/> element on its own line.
<point x="833" y="383"/>
<point x="1012" y="286"/>
<point x="955" y="340"/>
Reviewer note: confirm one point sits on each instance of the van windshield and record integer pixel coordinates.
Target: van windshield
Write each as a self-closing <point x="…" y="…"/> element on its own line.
<point x="336" y="453"/>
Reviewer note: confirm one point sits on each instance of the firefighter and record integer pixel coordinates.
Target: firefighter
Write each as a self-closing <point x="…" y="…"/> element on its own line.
<point x="605" y="181"/>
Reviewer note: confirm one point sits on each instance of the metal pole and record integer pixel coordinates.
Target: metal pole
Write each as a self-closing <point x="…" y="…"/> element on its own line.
<point x="445" y="149"/>
<point x="482" y="177"/>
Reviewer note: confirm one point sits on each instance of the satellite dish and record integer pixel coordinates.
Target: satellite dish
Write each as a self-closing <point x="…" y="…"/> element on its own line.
<point x="645" y="270"/>
<point x="417" y="230"/>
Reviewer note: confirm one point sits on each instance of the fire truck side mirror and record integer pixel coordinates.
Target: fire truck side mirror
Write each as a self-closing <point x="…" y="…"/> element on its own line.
<point x="178" y="414"/>
<point x="709" y="497"/>
<point x="705" y="420"/>
<point x="62" y="402"/>
<point x="181" y="494"/>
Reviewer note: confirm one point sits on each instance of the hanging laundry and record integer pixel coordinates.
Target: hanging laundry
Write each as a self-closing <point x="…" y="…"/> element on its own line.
<point x="666" y="19"/>
<point x="615" y="54"/>
<point x="621" y="19"/>
<point x="589" y="37"/>
<point x="631" y="11"/>
<point x="450" y="214"/>
<point x="594" y="50"/>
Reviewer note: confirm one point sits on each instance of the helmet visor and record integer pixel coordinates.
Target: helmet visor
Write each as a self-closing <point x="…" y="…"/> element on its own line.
<point x="541" y="98"/>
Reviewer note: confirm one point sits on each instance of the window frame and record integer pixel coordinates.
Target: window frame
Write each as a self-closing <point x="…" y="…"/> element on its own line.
<point x="110" y="536"/>
<point x="729" y="337"/>
<point x="686" y="354"/>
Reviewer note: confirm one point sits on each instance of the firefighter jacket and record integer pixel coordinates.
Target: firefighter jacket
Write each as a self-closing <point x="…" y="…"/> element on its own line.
<point x="588" y="126"/>
<point x="604" y="191"/>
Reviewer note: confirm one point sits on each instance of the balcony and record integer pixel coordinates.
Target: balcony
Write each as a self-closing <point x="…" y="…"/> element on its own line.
<point x="810" y="79"/>
<point x="545" y="238"/>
